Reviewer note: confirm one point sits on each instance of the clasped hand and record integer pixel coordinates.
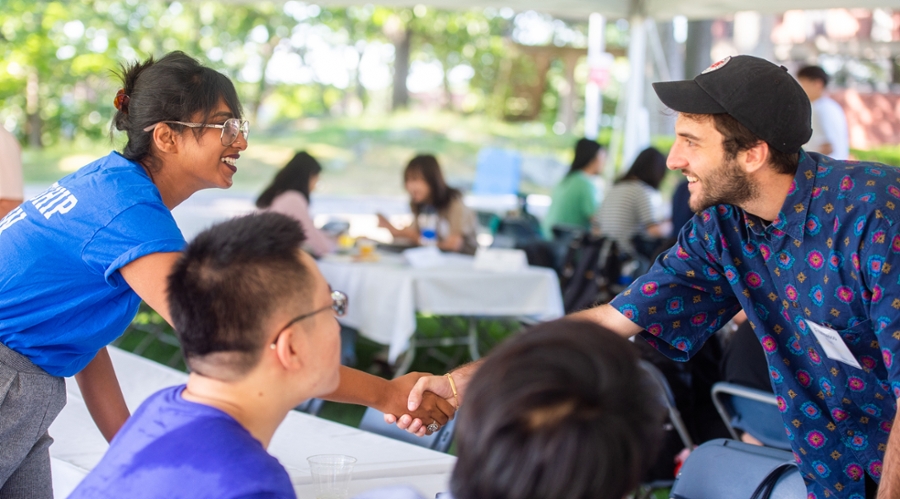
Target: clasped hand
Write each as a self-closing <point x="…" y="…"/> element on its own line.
<point x="425" y="398"/>
<point x="431" y="408"/>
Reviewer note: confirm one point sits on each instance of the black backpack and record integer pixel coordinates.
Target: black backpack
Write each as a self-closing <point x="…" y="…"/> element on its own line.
<point x="594" y="271"/>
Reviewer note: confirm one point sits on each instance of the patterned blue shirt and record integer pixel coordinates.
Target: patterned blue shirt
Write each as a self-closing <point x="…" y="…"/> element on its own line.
<point x="831" y="257"/>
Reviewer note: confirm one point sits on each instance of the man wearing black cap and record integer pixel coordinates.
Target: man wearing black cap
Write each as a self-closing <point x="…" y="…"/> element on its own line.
<point x="805" y="244"/>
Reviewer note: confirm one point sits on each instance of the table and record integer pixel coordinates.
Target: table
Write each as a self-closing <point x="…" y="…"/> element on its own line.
<point x="381" y="461"/>
<point x="385" y="295"/>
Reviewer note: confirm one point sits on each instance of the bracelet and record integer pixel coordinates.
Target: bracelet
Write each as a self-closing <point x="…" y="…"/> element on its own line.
<point x="453" y="388"/>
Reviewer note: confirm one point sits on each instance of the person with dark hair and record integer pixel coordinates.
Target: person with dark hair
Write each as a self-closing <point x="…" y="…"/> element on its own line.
<point x="430" y="194"/>
<point x="289" y="194"/>
<point x="255" y="319"/>
<point x="76" y="261"/>
<point x="563" y="411"/>
<point x="805" y="244"/>
<point x="633" y="206"/>
<point x="536" y="402"/>
<point x="829" y="123"/>
<point x="574" y="199"/>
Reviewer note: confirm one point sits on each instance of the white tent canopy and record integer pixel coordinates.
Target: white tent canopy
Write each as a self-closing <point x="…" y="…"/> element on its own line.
<point x="658" y="9"/>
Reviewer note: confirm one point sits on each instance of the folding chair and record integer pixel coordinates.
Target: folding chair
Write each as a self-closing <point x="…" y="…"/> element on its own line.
<point x="497" y="171"/>
<point x="667" y="399"/>
<point x="728" y="468"/>
<point x="373" y="421"/>
<point x="752" y="411"/>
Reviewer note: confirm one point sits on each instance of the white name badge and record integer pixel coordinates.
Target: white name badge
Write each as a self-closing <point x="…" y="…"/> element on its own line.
<point x="833" y="345"/>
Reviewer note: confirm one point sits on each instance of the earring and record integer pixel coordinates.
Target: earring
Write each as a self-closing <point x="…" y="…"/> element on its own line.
<point x="272" y="346"/>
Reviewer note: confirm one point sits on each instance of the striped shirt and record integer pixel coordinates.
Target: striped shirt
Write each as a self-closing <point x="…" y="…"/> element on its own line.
<point x="629" y="208"/>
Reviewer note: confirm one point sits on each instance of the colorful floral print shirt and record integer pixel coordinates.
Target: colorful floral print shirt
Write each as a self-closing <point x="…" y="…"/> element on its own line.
<point x="831" y="258"/>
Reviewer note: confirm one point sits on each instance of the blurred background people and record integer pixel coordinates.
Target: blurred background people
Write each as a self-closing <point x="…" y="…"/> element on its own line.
<point x="575" y="198"/>
<point x="289" y="194"/>
<point x="632" y="207"/>
<point x="439" y="215"/>
<point x="829" y="124"/>
<point x="11" y="194"/>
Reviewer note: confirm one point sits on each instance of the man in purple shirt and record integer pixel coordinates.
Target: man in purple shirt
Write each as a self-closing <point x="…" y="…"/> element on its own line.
<point x="257" y="325"/>
<point x="805" y="244"/>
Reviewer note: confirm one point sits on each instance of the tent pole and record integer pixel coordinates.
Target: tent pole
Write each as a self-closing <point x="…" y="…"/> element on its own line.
<point x="593" y="96"/>
<point x="637" y="120"/>
<point x="662" y="65"/>
<point x="615" y="140"/>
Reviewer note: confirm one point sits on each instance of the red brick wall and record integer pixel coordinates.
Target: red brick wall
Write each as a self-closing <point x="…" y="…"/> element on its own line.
<point x="873" y="119"/>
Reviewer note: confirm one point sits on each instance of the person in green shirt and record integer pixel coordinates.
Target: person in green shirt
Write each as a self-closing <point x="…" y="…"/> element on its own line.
<point x="574" y="199"/>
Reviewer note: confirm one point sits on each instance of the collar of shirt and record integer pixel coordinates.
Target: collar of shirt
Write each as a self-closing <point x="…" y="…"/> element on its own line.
<point x="791" y="219"/>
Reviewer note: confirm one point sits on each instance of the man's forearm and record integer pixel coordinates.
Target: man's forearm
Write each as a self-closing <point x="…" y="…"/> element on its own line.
<point x="610" y="318"/>
<point x="103" y="395"/>
<point x="462" y="375"/>
<point x="890" y="476"/>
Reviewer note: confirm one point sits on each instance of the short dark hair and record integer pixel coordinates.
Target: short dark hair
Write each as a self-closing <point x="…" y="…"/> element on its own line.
<point x="562" y="411"/>
<point x="736" y="138"/>
<point x="814" y="73"/>
<point x="649" y="167"/>
<point x="293" y="177"/>
<point x="174" y="88"/>
<point x="585" y="152"/>
<point x="228" y="282"/>
<point x="426" y="165"/>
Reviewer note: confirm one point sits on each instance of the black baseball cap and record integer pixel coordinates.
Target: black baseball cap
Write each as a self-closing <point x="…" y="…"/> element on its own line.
<point x="763" y="97"/>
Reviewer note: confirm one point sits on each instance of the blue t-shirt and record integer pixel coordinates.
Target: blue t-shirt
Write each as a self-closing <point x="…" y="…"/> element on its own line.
<point x="62" y="297"/>
<point x="173" y="448"/>
<point x="831" y="258"/>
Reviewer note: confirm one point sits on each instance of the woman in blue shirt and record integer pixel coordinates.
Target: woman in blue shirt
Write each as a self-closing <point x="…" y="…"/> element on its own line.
<point x="76" y="261"/>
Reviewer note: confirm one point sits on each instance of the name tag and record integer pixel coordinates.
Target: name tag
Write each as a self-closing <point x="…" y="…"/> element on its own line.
<point x="833" y="345"/>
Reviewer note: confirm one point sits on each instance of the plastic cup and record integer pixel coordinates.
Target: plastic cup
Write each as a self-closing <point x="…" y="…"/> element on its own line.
<point x="366" y="248"/>
<point x="331" y="475"/>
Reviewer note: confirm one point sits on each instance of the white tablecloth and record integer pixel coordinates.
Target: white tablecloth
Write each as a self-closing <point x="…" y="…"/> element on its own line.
<point x="385" y="295"/>
<point x="381" y="461"/>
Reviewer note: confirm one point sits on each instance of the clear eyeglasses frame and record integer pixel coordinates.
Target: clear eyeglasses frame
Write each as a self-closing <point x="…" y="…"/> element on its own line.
<point x="230" y="129"/>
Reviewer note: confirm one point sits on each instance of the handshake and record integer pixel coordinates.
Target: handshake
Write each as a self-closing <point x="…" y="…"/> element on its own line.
<point x="423" y="403"/>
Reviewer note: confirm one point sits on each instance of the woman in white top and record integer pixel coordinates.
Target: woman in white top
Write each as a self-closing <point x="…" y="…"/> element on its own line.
<point x="289" y="194"/>
<point x="429" y="193"/>
<point x="631" y="206"/>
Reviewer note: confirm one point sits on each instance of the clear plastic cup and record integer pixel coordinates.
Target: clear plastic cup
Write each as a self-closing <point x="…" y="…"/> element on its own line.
<point x="331" y="475"/>
<point x="366" y="248"/>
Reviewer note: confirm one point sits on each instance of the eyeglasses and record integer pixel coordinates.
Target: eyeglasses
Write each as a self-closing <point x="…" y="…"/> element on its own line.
<point x="339" y="302"/>
<point x="230" y="128"/>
